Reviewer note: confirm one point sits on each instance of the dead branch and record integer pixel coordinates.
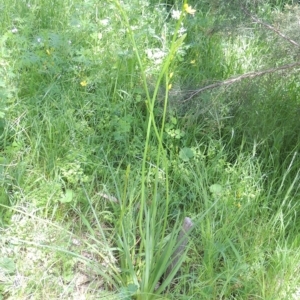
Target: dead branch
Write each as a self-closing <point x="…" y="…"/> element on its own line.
<point x="257" y="20"/>
<point x="239" y="78"/>
<point x="182" y="241"/>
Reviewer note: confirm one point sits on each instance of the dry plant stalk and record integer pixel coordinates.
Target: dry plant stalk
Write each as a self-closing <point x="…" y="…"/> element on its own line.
<point x="257" y="20"/>
<point x="181" y="244"/>
<point x="239" y="78"/>
<point x="250" y="74"/>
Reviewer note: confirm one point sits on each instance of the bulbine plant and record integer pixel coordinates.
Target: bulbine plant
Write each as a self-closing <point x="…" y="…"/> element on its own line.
<point x="150" y="247"/>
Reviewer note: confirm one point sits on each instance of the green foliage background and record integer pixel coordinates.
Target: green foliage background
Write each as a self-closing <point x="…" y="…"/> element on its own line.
<point x="101" y="139"/>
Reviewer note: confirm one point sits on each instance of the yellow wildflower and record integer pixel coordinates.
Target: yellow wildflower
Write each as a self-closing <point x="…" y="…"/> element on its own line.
<point x="171" y="74"/>
<point x="169" y="86"/>
<point x="193" y="62"/>
<point x="188" y="9"/>
<point x="83" y="83"/>
<point x="48" y="52"/>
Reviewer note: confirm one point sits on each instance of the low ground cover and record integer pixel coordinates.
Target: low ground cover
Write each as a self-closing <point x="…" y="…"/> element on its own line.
<point x="118" y="121"/>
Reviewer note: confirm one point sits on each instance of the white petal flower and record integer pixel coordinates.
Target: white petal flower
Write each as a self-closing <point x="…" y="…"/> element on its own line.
<point x="104" y="22"/>
<point x="175" y="14"/>
<point x="181" y="31"/>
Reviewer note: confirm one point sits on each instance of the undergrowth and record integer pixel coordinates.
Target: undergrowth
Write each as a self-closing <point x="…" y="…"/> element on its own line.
<point x="118" y="121"/>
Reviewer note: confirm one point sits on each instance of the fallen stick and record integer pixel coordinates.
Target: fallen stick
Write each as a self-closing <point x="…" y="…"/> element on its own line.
<point x="181" y="243"/>
<point x="257" y="20"/>
<point x="239" y="78"/>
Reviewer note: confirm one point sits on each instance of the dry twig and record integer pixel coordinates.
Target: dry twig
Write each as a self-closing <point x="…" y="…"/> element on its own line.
<point x="239" y="78"/>
<point x="182" y="240"/>
<point x="257" y="20"/>
<point x="251" y="74"/>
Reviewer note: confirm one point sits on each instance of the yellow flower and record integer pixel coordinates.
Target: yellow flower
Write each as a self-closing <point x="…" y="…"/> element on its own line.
<point x="188" y="9"/>
<point x="171" y="75"/>
<point x="169" y="86"/>
<point x="83" y="83"/>
<point x="48" y="52"/>
<point x="239" y="194"/>
<point x="193" y="62"/>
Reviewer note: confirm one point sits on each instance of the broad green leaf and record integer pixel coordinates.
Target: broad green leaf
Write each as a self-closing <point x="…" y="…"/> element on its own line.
<point x="68" y="197"/>
<point x="186" y="154"/>
<point x="216" y="189"/>
<point x="7" y="265"/>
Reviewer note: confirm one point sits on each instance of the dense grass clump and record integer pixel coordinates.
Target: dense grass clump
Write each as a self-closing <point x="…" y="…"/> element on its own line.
<point x="119" y="122"/>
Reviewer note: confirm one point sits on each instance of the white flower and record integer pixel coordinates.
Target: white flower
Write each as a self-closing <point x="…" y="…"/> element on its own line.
<point x="156" y="55"/>
<point x="134" y="28"/>
<point x="104" y="22"/>
<point x="181" y="31"/>
<point x="14" y="30"/>
<point x="176" y="14"/>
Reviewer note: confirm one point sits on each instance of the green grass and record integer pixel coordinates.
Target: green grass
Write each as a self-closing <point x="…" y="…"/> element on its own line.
<point x="102" y="156"/>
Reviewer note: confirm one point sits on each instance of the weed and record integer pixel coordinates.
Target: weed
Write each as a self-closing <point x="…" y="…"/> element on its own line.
<point x="118" y="121"/>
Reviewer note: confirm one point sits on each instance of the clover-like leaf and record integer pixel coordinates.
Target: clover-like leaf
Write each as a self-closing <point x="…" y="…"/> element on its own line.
<point x="216" y="189"/>
<point x="7" y="265"/>
<point x="186" y="154"/>
<point x="68" y="196"/>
